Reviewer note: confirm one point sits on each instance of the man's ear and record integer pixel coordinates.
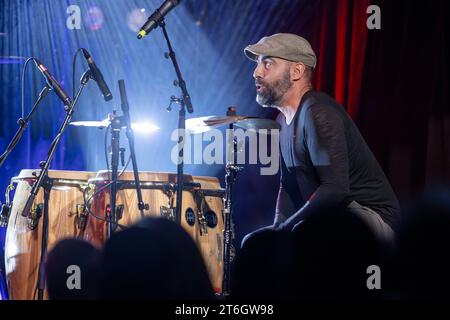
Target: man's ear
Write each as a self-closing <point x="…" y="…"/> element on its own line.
<point x="297" y="71"/>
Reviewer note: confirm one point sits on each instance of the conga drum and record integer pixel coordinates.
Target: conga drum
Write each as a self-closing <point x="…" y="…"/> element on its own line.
<point x="201" y="214"/>
<point x="66" y="219"/>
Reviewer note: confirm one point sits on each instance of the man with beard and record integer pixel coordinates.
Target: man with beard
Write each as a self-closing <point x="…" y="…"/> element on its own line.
<point x="325" y="161"/>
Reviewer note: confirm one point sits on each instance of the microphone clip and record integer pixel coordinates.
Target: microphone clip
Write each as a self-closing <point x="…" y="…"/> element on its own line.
<point x="176" y="100"/>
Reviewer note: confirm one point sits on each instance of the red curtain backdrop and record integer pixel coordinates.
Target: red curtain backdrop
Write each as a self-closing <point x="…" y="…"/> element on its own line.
<point x="339" y="37"/>
<point x="393" y="82"/>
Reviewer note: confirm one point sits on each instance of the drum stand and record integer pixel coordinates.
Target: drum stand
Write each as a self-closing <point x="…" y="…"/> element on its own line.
<point x="47" y="185"/>
<point x="231" y="171"/>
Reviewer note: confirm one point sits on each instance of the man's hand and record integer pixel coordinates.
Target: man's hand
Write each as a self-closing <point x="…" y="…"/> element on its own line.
<point x="279" y="219"/>
<point x="283" y="226"/>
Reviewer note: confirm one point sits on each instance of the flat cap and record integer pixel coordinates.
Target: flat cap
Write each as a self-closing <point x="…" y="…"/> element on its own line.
<point x="286" y="46"/>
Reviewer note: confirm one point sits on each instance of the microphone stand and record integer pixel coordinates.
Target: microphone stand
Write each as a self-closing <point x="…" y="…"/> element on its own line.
<point x="183" y="102"/>
<point x="117" y="122"/>
<point x="46" y="164"/>
<point x="43" y="178"/>
<point x="130" y="136"/>
<point x="23" y="125"/>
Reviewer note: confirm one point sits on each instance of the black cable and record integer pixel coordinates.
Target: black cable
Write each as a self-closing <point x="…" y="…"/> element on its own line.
<point x="87" y="204"/>
<point x="74" y="62"/>
<point x="23" y="85"/>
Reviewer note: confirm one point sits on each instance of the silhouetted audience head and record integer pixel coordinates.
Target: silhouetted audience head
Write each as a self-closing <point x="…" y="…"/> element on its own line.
<point x="262" y="266"/>
<point x="333" y="252"/>
<point x="422" y="266"/>
<point x="325" y="257"/>
<point x="155" y="259"/>
<point x="72" y="271"/>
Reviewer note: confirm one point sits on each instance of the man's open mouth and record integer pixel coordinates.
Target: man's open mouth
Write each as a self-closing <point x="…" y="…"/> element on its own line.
<point x="258" y="87"/>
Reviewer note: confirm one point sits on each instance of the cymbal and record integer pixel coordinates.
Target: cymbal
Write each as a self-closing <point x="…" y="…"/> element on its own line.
<point x="96" y="124"/>
<point x="138" y="126"/>
<point x="257" y="124"/>
<point x="204" y="124"/>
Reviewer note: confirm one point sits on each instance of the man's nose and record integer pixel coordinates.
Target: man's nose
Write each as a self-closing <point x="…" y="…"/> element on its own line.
<point x="257" y="73"/>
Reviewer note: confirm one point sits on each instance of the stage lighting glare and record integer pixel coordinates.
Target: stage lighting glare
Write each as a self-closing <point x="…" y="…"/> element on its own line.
<point x="94" y="18"/>
<point x="136" y="18"/>
<point x="144" y="127"/>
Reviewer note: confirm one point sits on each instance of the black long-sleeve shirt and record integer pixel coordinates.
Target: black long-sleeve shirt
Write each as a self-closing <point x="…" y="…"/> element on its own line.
<point x="326" y="162"/>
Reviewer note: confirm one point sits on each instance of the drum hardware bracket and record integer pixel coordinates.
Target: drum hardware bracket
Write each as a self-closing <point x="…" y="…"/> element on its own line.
<point x="201" y="217"/>
<point x="34" y="216"/>
<point x="202" y="222"/>
<point x="169" y="211"/>
<point x="82" y="216"/>
<point x="6" y="207"/>
<point x="4" y="214"/>
<point x="119" y="209"/>
<point x="37" y="210"/>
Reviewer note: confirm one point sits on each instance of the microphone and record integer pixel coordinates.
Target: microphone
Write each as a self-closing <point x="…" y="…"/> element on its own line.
<point x="97" y="76"/>
<point x="156" y="17"/>
<point x="53" y="83"/>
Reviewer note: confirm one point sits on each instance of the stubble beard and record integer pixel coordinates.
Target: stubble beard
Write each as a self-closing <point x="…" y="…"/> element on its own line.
<point x="272" y="94"/>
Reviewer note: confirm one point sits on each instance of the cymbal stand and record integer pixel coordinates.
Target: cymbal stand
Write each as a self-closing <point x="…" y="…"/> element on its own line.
<point x="231" y="170"/>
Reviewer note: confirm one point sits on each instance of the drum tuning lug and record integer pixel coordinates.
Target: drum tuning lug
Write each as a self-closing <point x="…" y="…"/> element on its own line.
<point x="175" y="83"/>
<point x="4" y="215"/>
<point x="34" y="215"/>
<point x="166" y="55"/>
